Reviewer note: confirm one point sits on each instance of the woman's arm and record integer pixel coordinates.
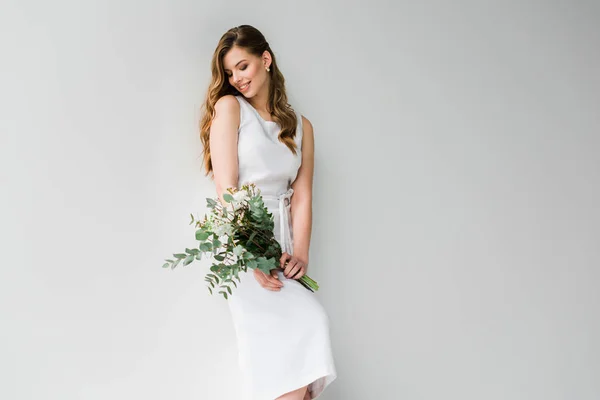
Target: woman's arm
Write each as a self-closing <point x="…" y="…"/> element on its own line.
<point x="301" y="209"/>
<point x="224" y="144"/>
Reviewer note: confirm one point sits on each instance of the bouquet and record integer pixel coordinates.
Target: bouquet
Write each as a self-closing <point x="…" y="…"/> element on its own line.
<point x="237" y="235"/>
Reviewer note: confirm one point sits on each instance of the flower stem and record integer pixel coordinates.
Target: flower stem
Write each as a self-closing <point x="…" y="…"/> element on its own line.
<point x="309" y="283"/>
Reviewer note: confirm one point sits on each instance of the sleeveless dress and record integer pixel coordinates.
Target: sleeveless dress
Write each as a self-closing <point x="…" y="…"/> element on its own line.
<point x="282" y="337"/>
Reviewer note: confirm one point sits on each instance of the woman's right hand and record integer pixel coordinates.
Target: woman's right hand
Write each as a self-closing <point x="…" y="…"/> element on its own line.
<point x="268" y="281"/>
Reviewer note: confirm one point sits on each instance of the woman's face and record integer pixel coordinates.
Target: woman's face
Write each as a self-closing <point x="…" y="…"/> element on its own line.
<point x="246" y="72"/>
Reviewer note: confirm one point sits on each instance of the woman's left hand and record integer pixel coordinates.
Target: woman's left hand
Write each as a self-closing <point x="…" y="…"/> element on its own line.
<point x="295" y="267"/>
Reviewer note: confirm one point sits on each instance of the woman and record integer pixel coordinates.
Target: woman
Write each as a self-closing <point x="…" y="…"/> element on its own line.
<point x="252" y="135"/>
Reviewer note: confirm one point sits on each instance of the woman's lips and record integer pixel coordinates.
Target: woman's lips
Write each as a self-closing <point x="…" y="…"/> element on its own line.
<point x="245" y="87"/>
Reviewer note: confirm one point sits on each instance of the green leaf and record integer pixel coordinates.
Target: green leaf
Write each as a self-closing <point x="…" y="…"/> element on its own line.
<point x="252" y="264"/>
<point x="201" y="235"/>
<point x="211" y="203"/>
<point x="219" y="258"/>
<point x="261" y="260"/>
<point x="188" y="260"/>
<point x="180" y="256"/>
<point x="204" y="247"/>
<point x="210" y="290"/>
<point x="237" y="250"/>
<point x="228" y="198"/>
<point x="166" y="265"/>
<point x="264" y="268"/>
<point x="216" y="278"/>
<point x="231" y="281"/>
<point x="228" y="289"/>
<point x="224" y="294"/>
<point x="253" y="235"/>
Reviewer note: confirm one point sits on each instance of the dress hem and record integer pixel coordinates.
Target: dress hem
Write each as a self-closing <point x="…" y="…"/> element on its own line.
<point x="328" y="374"/>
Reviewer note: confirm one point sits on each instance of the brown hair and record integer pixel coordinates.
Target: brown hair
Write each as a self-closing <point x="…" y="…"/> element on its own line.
<point x="253" y="41"/>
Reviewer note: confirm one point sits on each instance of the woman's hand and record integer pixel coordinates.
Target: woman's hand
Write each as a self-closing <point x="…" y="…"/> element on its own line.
<point x="295" y="267"/>
<point x="268" y="281"/>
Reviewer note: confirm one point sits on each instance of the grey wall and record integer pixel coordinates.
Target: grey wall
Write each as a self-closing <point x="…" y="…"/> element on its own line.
<point x="456" y="221"/>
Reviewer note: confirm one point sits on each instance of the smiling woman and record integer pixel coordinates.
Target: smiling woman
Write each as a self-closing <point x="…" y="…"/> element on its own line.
<point x="252" y="135"/>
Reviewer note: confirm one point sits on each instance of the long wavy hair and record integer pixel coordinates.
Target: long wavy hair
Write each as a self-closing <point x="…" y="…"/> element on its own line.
<point x="253" y="41"/>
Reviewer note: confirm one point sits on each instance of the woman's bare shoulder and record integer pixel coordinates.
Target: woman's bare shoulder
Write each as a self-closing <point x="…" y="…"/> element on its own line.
<point x="227" y="103"/>
<point x="227" y="111"/>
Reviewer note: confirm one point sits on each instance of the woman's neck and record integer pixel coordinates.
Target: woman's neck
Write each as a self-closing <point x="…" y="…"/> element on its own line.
<point x="259" y="101"/>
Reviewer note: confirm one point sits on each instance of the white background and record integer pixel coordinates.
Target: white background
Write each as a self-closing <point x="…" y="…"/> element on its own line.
<point x="456" y="228"/>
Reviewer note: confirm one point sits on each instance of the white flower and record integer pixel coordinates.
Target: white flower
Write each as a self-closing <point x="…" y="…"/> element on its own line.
<point x="223" y="229"/>
<point x="239" y="198"/>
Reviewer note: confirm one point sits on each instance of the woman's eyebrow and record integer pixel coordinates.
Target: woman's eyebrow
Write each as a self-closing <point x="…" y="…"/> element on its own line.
<point x="235" y="64"/>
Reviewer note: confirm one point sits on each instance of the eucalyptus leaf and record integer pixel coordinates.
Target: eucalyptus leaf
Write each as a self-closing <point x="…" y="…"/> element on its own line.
<point x="211" y="203"/>
<point x="201" y="235"/>
<point x="205" y="247"/>
<point x="238" y="250"/>
<point x="216" y="278"/>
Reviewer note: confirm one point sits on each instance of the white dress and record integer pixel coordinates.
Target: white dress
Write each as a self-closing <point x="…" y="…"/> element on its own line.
<point x="283" y="337"/>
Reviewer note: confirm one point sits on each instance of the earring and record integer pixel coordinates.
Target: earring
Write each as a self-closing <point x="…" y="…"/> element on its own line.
<point x="268" y="69"/>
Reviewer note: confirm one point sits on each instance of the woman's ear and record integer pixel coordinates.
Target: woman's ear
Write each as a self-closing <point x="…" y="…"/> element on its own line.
<point x="267" y="59"/>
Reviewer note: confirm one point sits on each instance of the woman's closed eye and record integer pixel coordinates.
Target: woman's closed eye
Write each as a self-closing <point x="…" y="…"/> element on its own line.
<point x="241" y="69"/>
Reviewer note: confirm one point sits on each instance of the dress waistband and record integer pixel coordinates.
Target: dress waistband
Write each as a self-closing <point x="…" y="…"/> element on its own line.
<point x="285" y="219"/>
